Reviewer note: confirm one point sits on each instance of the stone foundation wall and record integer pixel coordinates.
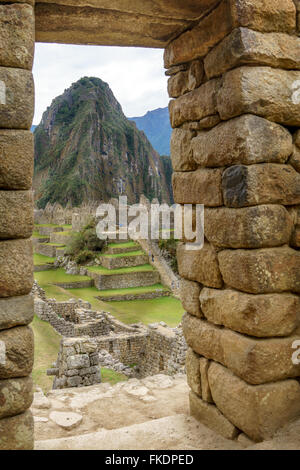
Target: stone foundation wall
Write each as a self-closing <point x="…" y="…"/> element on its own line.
<point x="235" y="80"/>
<point x="17" y="35"/>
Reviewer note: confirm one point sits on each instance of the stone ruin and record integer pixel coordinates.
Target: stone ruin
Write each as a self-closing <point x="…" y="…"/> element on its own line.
<point x="234" y="68"/>
<point x="135" y="350"/>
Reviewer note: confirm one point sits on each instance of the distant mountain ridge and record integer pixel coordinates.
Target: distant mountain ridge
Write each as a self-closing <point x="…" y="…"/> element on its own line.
<point x="157" y="127"/>
<point x="87" y="150"/>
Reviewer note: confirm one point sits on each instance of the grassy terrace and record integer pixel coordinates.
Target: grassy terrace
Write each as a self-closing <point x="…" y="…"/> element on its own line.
<point x="57" y="276"/>
<point x="123" y="255"/>
<point x="123" y="245"/>
<point x="40" y="260"/>
<point x="132" y="290"/>
<point x="53" y="225"/>
<point x="37" y="235"/>
<point x="57" y="245"/>
<point x="106" y="272"/>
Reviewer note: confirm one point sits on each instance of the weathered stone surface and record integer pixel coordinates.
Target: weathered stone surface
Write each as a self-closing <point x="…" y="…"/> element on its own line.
<point x="181" y="151"/>
<point x="245" y="140"/>
<point x="199" y="265"/>
<point x="16" y="214"/>
<point x="16" y="311"/>
<point x="260" y="15"/>
<point x="177" y="84"/>
<point x="264" y="315"/>
<point x="189" y="296"/>
<point x="40" y="402"/>
<point x="265" y="91"/>
<point x="107" y="25"/>
<point x="19" y="352"/>
<point x="257" y="410"/>
<point x="206" y="393"/>
<point x="295" y="159"/>
<point x="196" y="104"/>
<point x="17" y="36"/>
<point x="195" y="74"/>
<point x="16" y="98"/>
<point x="255" y="360"/>
<point x="248" y="227"/>
<point x="192" y="364"/>
<point x="297" y="138"/>
<point x="16" y="433"/>
<point x="266" y="183"/>
<point x="245" y="46"/>
<point x="16" y="267"/>
<point x="261" y="271"/>
<point x="16" y="159"/>
<point x="211" y="417"/>
<point x="66" y="420"/>
<point x="15" y="396"/>
<point x="202" y="186"/>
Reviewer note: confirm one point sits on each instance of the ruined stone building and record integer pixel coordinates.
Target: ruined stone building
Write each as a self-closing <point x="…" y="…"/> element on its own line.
<point x="234" y="68"/>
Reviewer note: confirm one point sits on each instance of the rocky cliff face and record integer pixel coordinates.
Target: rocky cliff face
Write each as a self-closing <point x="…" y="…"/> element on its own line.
<point x="86" y="149"/>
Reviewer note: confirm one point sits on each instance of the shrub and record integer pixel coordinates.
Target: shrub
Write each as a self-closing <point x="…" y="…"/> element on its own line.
<point x="85" y="244"/>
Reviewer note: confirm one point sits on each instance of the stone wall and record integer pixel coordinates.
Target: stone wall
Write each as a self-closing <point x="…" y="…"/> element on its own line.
<point x="16" y="215"/>
<point x="235" y="80"/>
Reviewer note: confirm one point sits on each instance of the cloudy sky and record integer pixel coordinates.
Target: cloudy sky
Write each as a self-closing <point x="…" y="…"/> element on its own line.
<point x="136" y="76"/>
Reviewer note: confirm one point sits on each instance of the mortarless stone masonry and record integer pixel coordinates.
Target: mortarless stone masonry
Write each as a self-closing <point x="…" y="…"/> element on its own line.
<point x="241" y="291"/>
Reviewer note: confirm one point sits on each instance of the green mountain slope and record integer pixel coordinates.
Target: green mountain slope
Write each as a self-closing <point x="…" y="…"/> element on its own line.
<point x="86" y="149"/>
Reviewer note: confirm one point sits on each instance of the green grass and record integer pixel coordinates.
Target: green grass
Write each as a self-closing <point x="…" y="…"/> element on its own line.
<point x="131" y="290"/>
<point x="40" y="260"/>
<point x="46" y="347"/>
<point x="123" y="255"/>
<point x="65" y="233"/>
<point x="57" y="245"/>
<point x="53" y="225"/>
<point x="167" y="309"/>
<point x="104" y="271"/>
<point x="36" y="234"/>
<point x="112" y="377"/>
<point x="59" y="276"/>
<point x="122" y="245"/>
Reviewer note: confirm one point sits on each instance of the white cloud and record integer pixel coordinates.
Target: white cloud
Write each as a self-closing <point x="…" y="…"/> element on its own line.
<point x="135" y="75"/>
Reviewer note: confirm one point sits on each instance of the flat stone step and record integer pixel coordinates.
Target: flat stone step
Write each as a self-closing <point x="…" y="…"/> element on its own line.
<point x="62" y="238"/>
<point x="124" y="260"/>
<point x="47" y="249"/>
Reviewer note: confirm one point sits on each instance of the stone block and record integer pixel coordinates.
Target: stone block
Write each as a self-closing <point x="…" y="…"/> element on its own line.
<point x="266" y="183"/>
<point x="181" y="150"/>
<point x="79" y="361"/>
<point x="206" y="393"/>
<point x="16" y="267"/>
<point x="264" y="91"/>
<point x="16" y="311"/>
<point x="16" y="159"/>
<point x="189" y="296"/>
<point x="261" y="271"/>
<point x="16" y="214"/>
<point x="295" y="159"/>
<point x="18" y="352"/>
<point x="245" y="46"/>
<point x="192" y="365"/>
<point x="17" y="433"/>
<point x="17" y="33"/>
<point x="196" y="104"/>
<point x="243" y="140"/>
<point x="260" y="15"/>
<point x="202" y="186"/>
<point x="210" y="416"/>
<point x="199" y="265"/>
<point x="178" y="84"/>
<point x="16" y="98"/>
<point x="262" y="315"/>
<point x="16" y="396"/>
<point x="258" y="410"/>
<point x="248" y="227"/>
<point x="255" y="360"/>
